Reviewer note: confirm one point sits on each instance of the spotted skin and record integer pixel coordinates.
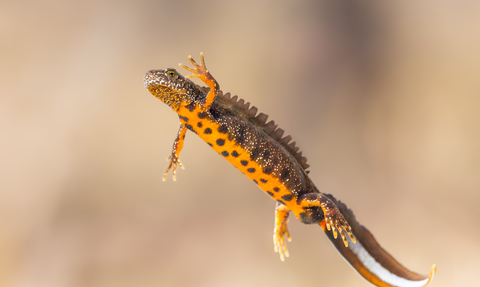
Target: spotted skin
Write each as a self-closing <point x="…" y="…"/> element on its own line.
<point x="254" y="147"/>
<point x="278" y="172"/>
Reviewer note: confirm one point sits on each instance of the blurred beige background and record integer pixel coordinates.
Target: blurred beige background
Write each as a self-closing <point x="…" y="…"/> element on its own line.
<point x="381" y="97"/>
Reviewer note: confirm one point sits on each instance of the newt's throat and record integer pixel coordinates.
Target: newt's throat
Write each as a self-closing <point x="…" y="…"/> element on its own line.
<point x="169" y="96"/>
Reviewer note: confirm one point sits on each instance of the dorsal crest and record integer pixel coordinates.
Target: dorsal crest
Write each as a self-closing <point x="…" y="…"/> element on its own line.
<point x="260" y="120"/>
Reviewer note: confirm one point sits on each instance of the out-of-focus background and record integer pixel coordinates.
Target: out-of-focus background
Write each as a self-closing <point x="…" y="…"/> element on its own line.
<point x="382" y="97"/>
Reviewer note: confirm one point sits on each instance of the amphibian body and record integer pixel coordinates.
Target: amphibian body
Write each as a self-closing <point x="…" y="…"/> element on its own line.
<point x="259" y="150"/>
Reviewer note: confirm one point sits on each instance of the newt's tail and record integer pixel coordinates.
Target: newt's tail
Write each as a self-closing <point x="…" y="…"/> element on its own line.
<point x="370" y="260"/>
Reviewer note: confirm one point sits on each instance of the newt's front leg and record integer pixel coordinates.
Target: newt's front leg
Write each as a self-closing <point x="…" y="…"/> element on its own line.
<point x="280" y="231"/>
<point x="174" y="157"/>
<point x="201" y="72"/>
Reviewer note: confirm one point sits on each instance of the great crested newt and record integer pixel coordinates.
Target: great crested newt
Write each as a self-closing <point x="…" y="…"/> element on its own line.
<point x="260" y="151"/>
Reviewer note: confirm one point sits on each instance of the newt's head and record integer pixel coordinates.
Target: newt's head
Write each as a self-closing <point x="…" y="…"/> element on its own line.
<point x="172" y="88"/>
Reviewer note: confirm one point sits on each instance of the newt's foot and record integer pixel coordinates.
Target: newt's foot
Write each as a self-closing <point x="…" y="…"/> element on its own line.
<point x="199" y="71"/>
<point x="279" y="240"/>
<point x="280" y="231"/>
<point x="334" y="220"/>
<point x="174" y="162"/>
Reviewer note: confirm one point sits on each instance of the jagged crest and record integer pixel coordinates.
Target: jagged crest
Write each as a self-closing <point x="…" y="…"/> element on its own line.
<point x="260" y="120"/>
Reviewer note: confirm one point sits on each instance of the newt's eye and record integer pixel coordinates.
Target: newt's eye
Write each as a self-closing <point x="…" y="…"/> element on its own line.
<point x="171" y="73"/>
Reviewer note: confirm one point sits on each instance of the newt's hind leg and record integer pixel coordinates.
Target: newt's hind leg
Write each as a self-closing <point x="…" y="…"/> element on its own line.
<point x="174" y="158"/>
<point x="201" y="72"/>
<point x="280" y="231"/>
<point x="332" y="217"/>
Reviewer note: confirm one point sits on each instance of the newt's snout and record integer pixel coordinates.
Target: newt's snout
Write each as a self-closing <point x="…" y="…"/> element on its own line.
<point x="149" y="77"/>
<point x="153" y="78"/>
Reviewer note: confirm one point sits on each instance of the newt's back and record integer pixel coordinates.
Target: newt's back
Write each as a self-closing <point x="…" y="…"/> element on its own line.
<point x="234" y="130"/>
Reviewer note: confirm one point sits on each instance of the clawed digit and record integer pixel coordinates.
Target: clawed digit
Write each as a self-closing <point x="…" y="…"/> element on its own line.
<point x="337" y="222"/>
<point x="174" y="162"/>
<point x="199" y="70"/>
<point x="279" y="242"/>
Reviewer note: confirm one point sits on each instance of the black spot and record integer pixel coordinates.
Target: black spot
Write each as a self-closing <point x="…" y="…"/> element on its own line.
<point x="235" y="153"/>
<point x="284" y="174"/>
<point x="225" y="153"/>
<point x="251" y="170"/>
<point x="287" y="197"/>
<point x="202" y="115"/>
<point x="243" y="162"/>
<point x="190" y="107"/>
<point x="220" y="142"/>
<point x="189" y="127"/>
<point x="199" y="124"/>
<point x="276" y="189"/>
<point x="240" y="136"/>
<point x="266" y="154"/>
<point x="223" y="129"/>
<point x="210" y="144"/>
<point x="183" y="118"/>
<point x="208" y="131"/>
<point x="267" y="170"/>
<point x="270" y="193"/>
<point x="255" y="153"/>
<point x="263" y="180"/>
<point x="216" y="114"/>
<point x="256" y="182"/>
<point x="279" y="201"/>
